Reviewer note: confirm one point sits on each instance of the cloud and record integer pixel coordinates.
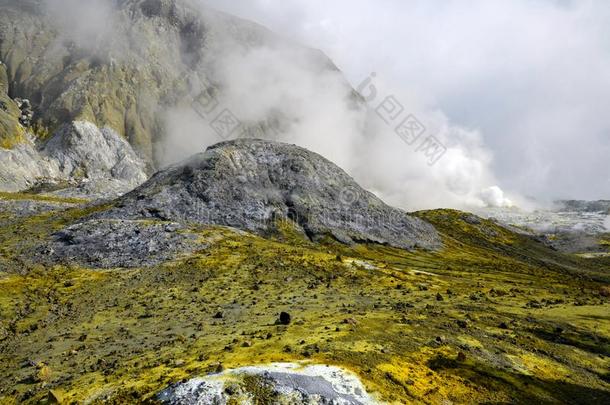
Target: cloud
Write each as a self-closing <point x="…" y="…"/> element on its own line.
<point x="532" y="79"/>
<point x="494" y="197"/>
<point x="287" y="82"/>
<point x="515" y="92"/>
<point x="318" y="111"/>
<point x="89" y="24"/>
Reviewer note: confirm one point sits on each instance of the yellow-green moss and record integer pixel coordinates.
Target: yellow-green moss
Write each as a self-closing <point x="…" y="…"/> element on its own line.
<point x="41" y="197"/>
<point x="124" y="335"/>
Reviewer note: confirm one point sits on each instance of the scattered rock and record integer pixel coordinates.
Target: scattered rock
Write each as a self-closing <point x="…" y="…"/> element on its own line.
<point x="284" y="318"/>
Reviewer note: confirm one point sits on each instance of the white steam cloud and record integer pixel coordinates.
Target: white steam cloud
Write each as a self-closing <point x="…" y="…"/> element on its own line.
<point x="513" y="109"/>
<point x="89" y="24"/>
<point x="320" y="112"/>
<point x="531" y="78"/>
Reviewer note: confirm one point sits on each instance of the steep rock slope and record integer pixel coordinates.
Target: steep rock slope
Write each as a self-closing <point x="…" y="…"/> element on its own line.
<point x="79" y="160"/>
<point x="121" y="65"/>
<point x="253" y="184"/>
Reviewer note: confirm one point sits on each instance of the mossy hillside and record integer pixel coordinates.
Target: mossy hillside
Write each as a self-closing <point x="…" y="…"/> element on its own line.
<point x="11" y="132"/>
<point x="19" y="235"/>
<point x="475" y="322"/>
<point x="83" y="84"/>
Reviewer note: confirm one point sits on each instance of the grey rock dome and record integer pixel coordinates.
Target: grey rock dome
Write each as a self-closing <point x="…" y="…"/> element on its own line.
<point x="251" y="184"/>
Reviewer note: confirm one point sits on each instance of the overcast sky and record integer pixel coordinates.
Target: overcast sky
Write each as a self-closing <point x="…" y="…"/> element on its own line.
<point x="532" y="77"/>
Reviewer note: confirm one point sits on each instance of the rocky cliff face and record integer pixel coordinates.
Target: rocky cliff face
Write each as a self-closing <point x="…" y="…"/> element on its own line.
<point x="122" y="68"/>
<point x="79" y="160"/>
<point x="253" y="184"/>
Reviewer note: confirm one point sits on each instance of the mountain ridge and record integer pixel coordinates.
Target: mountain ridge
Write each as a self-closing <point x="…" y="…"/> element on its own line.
<point x="148" y="59"/>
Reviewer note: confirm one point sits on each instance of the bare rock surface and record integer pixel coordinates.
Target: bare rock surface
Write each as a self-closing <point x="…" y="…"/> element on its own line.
<point x="119" y="244"/>
<point x="282" y="382"/>
<point x="251" y="184"/>
<point x="83" y="150"/>
<point x="79" y="160"/>
<point x="22" y="166"/>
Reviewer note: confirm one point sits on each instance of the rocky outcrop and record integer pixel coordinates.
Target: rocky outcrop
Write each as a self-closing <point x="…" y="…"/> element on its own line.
<point x="118" y="244"/>
<point x="253" y="184"/>
<point x="23" y="166"/>
<point x="79" y="160"/>
<point x="84" y="152"/>
<point x="26" y="113"/>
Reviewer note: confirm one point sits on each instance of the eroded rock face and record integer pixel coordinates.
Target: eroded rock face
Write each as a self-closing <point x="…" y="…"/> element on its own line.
<point x="11" y="131"/>
<point x="82" y="150"/>
<point x="279" y="383"/>
<point x="80" y="160"/>
<point x="124" y="69"/>
<point x="21" y="166"/>
<point x="251" y="184"/>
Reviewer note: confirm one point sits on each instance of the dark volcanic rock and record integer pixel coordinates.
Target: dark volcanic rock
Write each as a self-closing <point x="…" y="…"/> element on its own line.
<point x="119" y="244"/>
<point x="284" y="318"/>
<point x="252" y="184"/>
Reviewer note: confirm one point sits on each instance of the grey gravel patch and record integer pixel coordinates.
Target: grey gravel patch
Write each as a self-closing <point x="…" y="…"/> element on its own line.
<point x="119" y="244"/>
<point x="250" y="184"/>
<point x="26" y="208"/>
